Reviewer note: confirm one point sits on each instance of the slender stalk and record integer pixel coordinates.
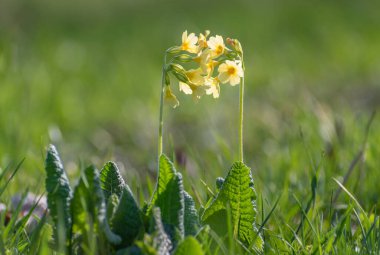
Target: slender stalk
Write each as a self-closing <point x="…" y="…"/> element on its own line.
<point x="160" y="121"/>
<point x="241" y="100"/>
<point x="161" y="117"/>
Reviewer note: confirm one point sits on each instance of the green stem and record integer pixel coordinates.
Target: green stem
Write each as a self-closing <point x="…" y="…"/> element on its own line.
<point x="241" y="102"/>
<point x="161" y="117"/>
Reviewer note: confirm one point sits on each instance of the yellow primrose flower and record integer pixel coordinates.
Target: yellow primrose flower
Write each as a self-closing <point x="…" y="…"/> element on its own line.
<point x="170" y="98"/>
<point x="210" y="67"/>
<point x="205" y="62"/>
<point x="195" y="79"/>
<point x="231" y="72"/>
<point x="216" y="44"/>
<point x="214" y="88"/>
<point x="195" y="76"/>
<point x="197" y="91"/>
<point x="203" y="59"/>
<point x="189" y="42"/>
<point x="202" y="41"/>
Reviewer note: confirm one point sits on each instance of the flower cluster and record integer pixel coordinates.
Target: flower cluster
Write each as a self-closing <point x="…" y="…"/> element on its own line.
<point x="201" y="63"/>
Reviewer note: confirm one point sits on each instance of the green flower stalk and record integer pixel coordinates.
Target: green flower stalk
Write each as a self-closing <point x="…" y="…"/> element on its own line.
<point x="161" y="117"/>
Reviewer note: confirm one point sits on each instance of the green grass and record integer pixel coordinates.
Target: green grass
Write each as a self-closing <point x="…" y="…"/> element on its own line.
<point x="86" y="77"/>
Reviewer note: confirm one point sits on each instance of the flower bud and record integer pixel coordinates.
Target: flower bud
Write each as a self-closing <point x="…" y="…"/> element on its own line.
<point x="174" y="50"/>
<point x="235" y="45"/>
<point x="231" y="54"/>
<point x="167" y="79"/>
<point x="179" y="72"/>
<point x="184" y="58"/>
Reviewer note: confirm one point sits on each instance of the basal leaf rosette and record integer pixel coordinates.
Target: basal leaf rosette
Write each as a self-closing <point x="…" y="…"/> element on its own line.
<point x="201" y="64"/>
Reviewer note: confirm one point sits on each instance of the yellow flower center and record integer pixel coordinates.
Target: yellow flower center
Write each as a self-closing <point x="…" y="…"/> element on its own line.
<point x="231" y="70"/>
<point x="203" y="43"/>
<point x="197" y="59"/>
<point x="185" y="46"/>
<point x="219" y="49"/>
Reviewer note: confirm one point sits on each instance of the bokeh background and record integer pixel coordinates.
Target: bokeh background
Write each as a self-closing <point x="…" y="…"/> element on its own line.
<point x="85" y="75"/>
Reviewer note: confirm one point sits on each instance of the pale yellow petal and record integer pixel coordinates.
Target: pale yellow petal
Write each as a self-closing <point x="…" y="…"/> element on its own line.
<point x="173" y="102"/>
<point x="212" y="42"/>
<point x="230" y="63"/>
<point x="216" y="91"/>
<point x="170" y="98"/>
<point x="240" y="71"/>
<point x="198" y="92"/>
<point x="219" y="40"/>
<point x="193" y="39"/>
<point x="234" y="80"/>
<point x="223" y="68"/>
<point x="185" y="88"/>
<point x="197" y="77"/>
<point x="223" y="77"/>
<point x="184" y="36"/>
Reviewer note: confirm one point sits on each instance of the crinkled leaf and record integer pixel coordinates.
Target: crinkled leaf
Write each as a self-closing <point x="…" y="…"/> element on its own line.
<point x="126" y="220"/>
<point x="169" y="197"/>
<point x="112" y="204"/>
<point x="59" y="195"/>
<point x="166" y="173"/>
<point x="191" y="221"/>
<point x="111" y="180"/>
<point x="171" y="203"/>
<point x="160" y="240"/>
<point x="189" y="245"/>
<point x="89" y="209"/>
<point x="237" y="191"/>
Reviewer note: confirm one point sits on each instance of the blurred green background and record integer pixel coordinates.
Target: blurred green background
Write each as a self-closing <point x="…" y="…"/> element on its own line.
<point x="85" y="75"/>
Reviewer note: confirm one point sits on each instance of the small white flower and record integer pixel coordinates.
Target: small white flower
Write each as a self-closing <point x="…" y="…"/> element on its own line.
<point x="230" y="72"/>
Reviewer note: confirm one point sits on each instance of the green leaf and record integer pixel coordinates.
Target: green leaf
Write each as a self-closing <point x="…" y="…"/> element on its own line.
<point x="191" y="221"/>
<point x="112" y="204"/>
<point x="59" y="195"/>
<point x="127" y="221"/>
<point x="155" y="242"/>
<point x="169" y="197"/>
<point x="237" y="191"/>
<point x="166" y="173"/>
<point x="189" y="245"/>
<point x="160" y="240"/>
<point x="89" y="209"/>
<point x="111" y="180"/>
